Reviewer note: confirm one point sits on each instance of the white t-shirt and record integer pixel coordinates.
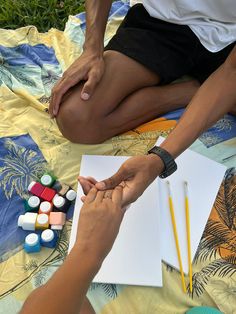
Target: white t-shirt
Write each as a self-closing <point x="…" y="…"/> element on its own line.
<point x="212" y="21"/>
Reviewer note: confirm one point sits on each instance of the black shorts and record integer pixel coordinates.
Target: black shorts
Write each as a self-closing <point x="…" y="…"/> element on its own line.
<point x="169" y="50"/>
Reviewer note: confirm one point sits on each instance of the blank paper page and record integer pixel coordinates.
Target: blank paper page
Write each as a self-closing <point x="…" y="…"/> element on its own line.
<point x="135" y="258"/>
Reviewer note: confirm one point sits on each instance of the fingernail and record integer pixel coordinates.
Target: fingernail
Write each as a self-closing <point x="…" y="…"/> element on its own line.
<point x="85" y="96"/>
<point x="101" y="185"/>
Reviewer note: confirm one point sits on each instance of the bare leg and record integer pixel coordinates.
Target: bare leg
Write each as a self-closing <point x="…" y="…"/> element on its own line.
<point x="147" y="104"/>
<point x="87" y="307"/>
<point x="126" y="97"/>
<point x="233" y="111"/>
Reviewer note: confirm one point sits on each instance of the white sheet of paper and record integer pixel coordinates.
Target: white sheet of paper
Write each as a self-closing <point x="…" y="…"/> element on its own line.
<point x="135" y="258"/>
<point x="204" y="177"/>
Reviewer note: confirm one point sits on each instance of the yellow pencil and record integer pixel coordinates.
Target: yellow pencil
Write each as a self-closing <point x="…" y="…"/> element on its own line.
<point x="172" y="213"/>
<point x="188" y="234"/>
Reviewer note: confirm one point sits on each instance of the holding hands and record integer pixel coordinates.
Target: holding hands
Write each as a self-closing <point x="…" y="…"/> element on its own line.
<point x="135" y="175"/>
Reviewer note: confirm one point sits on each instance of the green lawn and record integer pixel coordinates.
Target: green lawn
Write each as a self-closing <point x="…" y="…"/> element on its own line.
<point x="44" y="14"/>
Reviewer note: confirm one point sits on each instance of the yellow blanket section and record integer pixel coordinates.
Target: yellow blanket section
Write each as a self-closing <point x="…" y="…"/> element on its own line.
<point x="24" y="110"/>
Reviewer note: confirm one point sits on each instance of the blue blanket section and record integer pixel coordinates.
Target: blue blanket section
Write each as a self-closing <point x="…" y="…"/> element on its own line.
<point x="119" y="8"/>
<point x="223" y="130"/>
<point x="28" y="55"/>
<point x="21" y="162"/>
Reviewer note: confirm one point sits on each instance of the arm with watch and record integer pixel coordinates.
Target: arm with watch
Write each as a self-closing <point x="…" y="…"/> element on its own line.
<point x="216" y="97"/>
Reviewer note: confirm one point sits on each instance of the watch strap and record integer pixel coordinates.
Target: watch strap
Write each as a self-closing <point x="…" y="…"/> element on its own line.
<point x="169" y="162"/>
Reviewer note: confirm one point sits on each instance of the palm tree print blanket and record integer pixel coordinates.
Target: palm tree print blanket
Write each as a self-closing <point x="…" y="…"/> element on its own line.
<point x="30" y="142"/>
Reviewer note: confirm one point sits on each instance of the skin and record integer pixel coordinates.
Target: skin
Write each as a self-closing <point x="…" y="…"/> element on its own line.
<point x="92" y="104"/>
<point x="99" y="224"/>
<point x="87" y="111"/>
<point x="209" y="103"/>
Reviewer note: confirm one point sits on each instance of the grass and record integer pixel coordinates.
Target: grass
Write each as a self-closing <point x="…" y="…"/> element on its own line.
<point x="44" y="14"/>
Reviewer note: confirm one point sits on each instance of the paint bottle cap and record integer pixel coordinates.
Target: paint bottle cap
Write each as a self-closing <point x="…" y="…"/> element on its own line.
<point x="32" y="239"/>
<point x="33" y="201"/>
<point x="42" y="219"/>
<point x="31" y="185"/>
<point x="58" y="201"/>
<point x="20" y="220"/>
<point x="45" y="207"/>
<point x="46" y="180"/>
<point x="47" y="235"/>
<point x="56" y="227"/>
<point x="71" y="195"/>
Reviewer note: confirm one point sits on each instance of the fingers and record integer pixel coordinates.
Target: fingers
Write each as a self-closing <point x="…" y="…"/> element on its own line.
<point x="117" y="195"/>
<point x="59" y="90"/>
<point x="108" y="194"/>
<point x="83" y="198"/>
<point x="90" y="85"/>
<point x="113" y="181"/>
<point x="52" y="101"/>
<point x="91" y="196"/>
<point x="85" y="184"/>
<point x="100" y="196"/>
<point x="91" y="179"/>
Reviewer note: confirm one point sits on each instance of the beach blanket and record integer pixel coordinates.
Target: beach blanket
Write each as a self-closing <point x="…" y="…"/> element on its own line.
<point x="30" y="143"/>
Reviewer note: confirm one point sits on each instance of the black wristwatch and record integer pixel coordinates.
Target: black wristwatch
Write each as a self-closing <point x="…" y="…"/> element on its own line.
<point x="168" y="160"/>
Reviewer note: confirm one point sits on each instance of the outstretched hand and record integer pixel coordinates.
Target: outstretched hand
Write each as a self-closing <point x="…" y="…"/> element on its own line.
<point x="135" y="175"/>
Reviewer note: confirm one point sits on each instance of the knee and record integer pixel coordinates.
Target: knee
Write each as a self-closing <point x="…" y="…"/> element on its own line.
<point x="80" y="125"/>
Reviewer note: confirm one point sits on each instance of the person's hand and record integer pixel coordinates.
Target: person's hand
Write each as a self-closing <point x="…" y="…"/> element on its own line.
<point x="89" y="67"/>
<point x="135" y="175"/>
<point x="99" y="222"/>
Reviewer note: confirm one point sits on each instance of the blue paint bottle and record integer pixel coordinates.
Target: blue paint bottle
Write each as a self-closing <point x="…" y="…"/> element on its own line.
<point x="32" y="244"/>
<point x="48" y="238"/>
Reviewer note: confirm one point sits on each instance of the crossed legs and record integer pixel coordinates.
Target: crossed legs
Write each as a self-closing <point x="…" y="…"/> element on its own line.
<point x="126" y="97"/>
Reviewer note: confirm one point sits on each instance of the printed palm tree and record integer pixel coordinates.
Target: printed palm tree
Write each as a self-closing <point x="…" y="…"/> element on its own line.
<point x="218" y="243"/>
<point x="18" y="168"/>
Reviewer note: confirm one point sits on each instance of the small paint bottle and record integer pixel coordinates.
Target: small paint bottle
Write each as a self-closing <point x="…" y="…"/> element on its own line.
<point x="47" y="180"/>
<point x="27" y="221"/>
<point x="60" y="203"/>
<point x="45" y="208"/>
<point x="57" y="220"/>
<point x="48" y="238"/>
<point x="71" y="195"/>
<point x="42" y="222"/>
<point x="36" y="188"/>
<point x="48" y="194"/>
<point x="32" y="204"/>
<point x="32" y="243"/>
<point x="61" y="188"/>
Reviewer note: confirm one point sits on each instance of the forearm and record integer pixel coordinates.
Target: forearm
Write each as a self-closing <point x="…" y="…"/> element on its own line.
<point x="65" y="291"/>
<point x="216" y="97"/>
<point x="96" y="18"/>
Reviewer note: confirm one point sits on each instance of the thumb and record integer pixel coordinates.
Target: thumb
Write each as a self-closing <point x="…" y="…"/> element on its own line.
<point x="113" y="181"/>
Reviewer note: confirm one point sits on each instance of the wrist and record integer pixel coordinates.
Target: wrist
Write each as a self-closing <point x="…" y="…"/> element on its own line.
<point x="156" y="162"/>
<point x="92" y="261"/>
<point x="94" y="48"/>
